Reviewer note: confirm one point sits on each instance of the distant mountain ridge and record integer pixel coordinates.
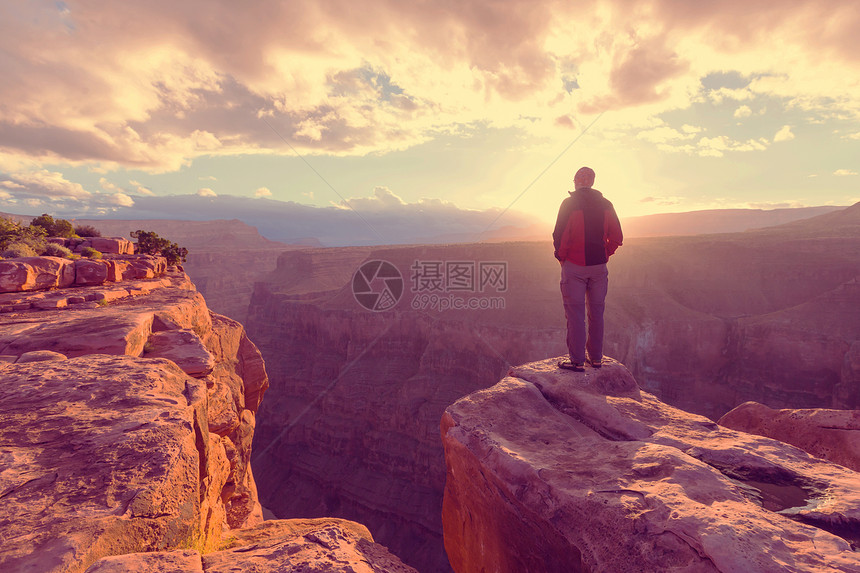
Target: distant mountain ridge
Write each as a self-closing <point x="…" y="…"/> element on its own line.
<point x="284" y="222"/>
<point x="713" y="221"/>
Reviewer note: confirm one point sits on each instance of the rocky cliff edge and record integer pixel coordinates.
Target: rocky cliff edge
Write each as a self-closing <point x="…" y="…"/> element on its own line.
<point x="551" y="470"/>
<point x="128" y="413"/>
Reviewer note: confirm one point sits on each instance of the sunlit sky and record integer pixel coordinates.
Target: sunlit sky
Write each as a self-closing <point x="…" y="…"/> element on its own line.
<point x="691" y="104"/>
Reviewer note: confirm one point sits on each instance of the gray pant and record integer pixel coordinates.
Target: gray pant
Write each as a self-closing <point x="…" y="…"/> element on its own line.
<point x="584" y="288"/>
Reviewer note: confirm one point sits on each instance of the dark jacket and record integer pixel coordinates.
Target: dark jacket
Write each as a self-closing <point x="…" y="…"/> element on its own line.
<point x="587" y="231"/>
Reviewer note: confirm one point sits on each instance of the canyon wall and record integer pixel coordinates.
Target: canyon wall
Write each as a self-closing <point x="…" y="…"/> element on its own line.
<point x="704" y="323"/>
<point x="551" y="470"/>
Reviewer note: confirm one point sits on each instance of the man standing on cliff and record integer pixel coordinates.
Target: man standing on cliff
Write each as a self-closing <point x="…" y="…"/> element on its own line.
<point x="586" y="234"/>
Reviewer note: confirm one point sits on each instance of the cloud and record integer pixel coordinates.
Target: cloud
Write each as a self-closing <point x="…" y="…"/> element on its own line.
<point x="121" y="200"/>
<point x="262" y="192"/>
<point x="844" y="172"/>
<point x="784" y="134"/>
<point x="208" y="178"/>
<point x="743" y="111"/>
<point x="383" y="199"/>
<point x="108" y="186"/>
<point x="153" y="86"/>
<point x="51" y="184"/>
<point x="206" y="192"/>
<point x="717" y="146"/>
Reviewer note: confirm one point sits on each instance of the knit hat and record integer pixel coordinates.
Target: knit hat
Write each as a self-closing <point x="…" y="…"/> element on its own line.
<point x="583" y="178"/>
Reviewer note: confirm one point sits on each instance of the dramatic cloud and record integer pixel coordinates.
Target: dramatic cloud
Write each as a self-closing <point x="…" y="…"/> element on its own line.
<point x="153" y="85"/>
<point x="51" y="184"/>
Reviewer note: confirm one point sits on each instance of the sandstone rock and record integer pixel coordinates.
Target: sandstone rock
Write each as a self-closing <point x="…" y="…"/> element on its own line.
<point x="49" y="303"/>
<point x="828" y="434"/>
<point x="179" y="561"/>
<point x="90" y="272"/>
<point x="39" y="356"/>
<point x="332" y="545"/>
<point x="184" y="348"/>
<point x="104" y="331"/>
<point x="35" y="273"/>
<point x="111" y="466"/>
<point x="117" y="245"/>
<point x="548" y="471"/>
<point x="14" y="275"/>
<point x="124" y="327"/>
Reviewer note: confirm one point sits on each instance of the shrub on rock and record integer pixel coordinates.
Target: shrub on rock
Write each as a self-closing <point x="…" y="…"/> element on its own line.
<point x="87" y="231"/>
<point x="91" y="253"/>
<point x="149" y="243"/>
<point x="12" y="233"/>
<point x="19" y="250"/>
<point x="55" y="250"/>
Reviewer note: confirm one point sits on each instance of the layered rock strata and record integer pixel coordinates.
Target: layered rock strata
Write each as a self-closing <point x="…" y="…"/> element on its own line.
<point x="551" y="470"/>
<point x="828" y="434"/>
<point x="44" y="273"/>
<point x="331" y="545"/>
<point x="131" y="430"/>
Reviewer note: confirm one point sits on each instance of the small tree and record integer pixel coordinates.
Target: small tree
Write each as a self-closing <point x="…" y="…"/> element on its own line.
<point x="11" y="232"/>
<point x="150" y="243"/>
<point x="53" y="227"/>
<point x="87" y="231"/>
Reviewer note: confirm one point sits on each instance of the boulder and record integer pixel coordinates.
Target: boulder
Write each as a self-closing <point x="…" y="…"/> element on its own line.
<point x="14" y="275"/>
<point x="551" y="470"/>
<point x="90" y="272"/>
<point x="184" y="348"/>
<point x="828" y="434"/>
<point x="39" y="356"/>
<point x="113" y="245"/>
<point x="36" y="273"/>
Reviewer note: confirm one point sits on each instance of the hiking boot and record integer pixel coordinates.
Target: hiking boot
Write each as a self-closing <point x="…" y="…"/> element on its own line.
<point x="575" y="366"/>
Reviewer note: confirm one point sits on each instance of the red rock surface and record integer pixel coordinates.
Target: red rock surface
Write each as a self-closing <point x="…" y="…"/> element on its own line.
<point x="110" y="452"/>
<point x="556" y="471"/>
<point x="309" y="546"/>
<point x="828" y="434"/>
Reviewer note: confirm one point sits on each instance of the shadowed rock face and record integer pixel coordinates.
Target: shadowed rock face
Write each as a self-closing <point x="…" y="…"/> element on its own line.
<point x="111" y="444"/>
<point x="832" y="435"/>
<point x="556" y="471"/>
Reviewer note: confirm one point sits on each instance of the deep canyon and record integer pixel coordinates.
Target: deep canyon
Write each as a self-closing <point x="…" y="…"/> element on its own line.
<point x="350" y="425"/>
